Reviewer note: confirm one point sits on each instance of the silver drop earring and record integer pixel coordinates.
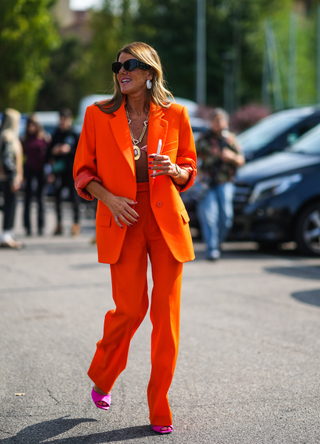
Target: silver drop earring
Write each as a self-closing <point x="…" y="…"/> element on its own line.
<point x="149" y="84"/>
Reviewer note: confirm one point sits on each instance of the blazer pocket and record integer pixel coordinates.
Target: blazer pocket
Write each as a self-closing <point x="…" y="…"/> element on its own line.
<point x="185" y="216"/>
<point x="103" y="220"/>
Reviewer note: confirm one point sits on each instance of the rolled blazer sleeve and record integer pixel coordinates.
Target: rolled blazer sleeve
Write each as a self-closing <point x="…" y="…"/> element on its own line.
<point x="85" y="166"/>
<point x="186" y="158"/>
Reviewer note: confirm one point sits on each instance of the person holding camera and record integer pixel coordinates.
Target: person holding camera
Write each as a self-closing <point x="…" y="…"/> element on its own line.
<point x="220" y="156"/>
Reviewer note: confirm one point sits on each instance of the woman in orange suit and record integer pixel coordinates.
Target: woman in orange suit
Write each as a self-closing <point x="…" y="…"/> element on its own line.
<point x="135" y="154"/>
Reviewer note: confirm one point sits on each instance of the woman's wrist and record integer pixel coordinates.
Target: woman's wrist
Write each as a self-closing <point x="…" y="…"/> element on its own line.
<point x="181" y="177"/>
<point x="178" y="172"/>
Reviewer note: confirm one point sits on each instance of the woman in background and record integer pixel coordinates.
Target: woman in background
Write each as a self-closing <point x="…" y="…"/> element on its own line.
<point x="11" y="173"/>
<point x="35" y="145"/>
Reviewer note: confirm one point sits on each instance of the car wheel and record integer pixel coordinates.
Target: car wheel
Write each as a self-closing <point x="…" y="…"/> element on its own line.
<point x="308" y="230"/>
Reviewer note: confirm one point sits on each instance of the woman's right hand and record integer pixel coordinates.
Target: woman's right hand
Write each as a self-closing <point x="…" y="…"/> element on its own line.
<point x="121" y="209"/>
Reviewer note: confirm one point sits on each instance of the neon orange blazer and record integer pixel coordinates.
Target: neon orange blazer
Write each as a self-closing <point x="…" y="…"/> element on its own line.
<point x="105" y="154"/>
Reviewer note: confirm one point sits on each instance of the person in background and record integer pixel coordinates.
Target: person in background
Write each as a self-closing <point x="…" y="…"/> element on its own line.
<point x="61" y="155"/>
<point x="220" y="155"/>
<point x="11" y="173"/>
<point x="35" y="144"/>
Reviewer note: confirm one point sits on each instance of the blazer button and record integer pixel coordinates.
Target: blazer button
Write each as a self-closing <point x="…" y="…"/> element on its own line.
<point x="159" y="204"/>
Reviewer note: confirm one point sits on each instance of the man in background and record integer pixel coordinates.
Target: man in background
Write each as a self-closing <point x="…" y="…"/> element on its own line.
<point x="61" y="155"/>
<point x="220" y="155"/>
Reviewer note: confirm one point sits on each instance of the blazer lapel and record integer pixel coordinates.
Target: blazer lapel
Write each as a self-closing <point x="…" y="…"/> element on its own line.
<point x="158" y="128"/>
<point x="120" y="128"/>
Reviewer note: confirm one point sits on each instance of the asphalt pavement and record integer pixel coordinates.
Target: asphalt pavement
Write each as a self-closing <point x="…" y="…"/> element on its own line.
<point x="249" y="364"/>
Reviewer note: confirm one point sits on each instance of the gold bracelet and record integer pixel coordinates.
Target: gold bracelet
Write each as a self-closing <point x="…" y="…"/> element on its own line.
<point x="178" y="170"/>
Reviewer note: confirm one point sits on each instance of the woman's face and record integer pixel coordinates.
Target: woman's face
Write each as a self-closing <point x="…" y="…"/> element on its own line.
<point x="32" y="129"/>
<point x="219" y="123"/>
<point x="132" y="82"/>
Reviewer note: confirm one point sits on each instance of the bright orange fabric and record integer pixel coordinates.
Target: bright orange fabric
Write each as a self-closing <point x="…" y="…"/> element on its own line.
<point x="130" y="294"/>
<point x="105" y="151"/>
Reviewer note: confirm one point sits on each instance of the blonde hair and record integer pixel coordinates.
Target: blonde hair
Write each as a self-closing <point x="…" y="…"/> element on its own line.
<point x="158" y="94"/>
<point x="10" y="125"/>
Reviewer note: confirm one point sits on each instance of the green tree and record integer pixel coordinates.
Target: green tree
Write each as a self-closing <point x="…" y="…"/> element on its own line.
<point x="81" y="68"/>
<point x="68" y="77"/>
<point x="305" y="37"/>
<point x="27" y="35"/>
<point x="169" y="26"/>
<point x="234" y="32"/>
<point x="111" y="30"/>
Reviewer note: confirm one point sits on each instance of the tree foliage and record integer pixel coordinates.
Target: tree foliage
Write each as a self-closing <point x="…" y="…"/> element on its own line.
<point x="81" y="68"/>
<point x="111" y="30"/>
<point x="305" y="42"/>
<point x="68" y="77"/>
<point x="235" y="31"/>
<point x="27" y="35"/>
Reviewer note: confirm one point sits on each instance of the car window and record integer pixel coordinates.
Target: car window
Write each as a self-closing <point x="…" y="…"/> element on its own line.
<point x="300" y="130"/>
<point x="267" y="130"/>
<point x="308" y="143"/>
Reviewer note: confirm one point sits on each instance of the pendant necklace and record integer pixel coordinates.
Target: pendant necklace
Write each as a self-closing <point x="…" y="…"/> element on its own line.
<point x="136" y="149"/>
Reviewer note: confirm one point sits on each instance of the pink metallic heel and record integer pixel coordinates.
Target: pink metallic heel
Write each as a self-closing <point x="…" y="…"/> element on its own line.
<point x="158" y="429"/>
<point x="106" y="399"/>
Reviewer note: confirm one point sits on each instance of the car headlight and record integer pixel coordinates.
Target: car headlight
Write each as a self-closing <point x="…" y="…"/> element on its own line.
<point x="273" y="187"/>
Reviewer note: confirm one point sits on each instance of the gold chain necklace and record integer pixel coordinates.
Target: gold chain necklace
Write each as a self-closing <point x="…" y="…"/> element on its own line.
<point x="136" y="149"/>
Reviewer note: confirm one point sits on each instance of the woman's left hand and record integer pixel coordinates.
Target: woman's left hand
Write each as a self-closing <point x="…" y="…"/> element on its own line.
<point x="161" y="165"/>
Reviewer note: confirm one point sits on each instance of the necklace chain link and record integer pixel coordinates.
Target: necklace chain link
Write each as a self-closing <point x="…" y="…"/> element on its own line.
<point x="135" y="141"/>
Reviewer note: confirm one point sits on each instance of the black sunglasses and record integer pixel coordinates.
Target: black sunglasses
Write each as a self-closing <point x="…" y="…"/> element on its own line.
<point x="129" y="65"/>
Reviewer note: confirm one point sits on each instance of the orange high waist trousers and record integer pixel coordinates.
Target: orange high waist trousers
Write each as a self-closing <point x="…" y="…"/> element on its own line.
<point x="130" y="294"/>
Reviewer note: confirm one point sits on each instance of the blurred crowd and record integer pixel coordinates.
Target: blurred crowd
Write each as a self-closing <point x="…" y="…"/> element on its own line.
<point x="33" y="164"/>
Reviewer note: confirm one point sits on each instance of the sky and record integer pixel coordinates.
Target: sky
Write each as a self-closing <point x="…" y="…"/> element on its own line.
<point x="84" y="4"/>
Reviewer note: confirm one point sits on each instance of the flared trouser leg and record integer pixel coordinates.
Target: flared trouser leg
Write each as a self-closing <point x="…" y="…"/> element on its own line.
<point x="165" y="318"/>
<point x="130" y="294"/>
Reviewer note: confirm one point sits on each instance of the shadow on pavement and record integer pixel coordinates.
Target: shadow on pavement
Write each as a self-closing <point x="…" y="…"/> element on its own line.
<point x="59" y="248"/>
<point x="250" y="250"/>
<point x="302" y="272"/>
<point x="232" y="254"/>
<point x="311" y="297"/>
<point x="43" y="431"/>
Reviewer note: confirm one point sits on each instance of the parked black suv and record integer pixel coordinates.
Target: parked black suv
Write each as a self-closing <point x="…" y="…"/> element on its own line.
<point x="276" y="132"/>
<point x="277" y="198"/>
